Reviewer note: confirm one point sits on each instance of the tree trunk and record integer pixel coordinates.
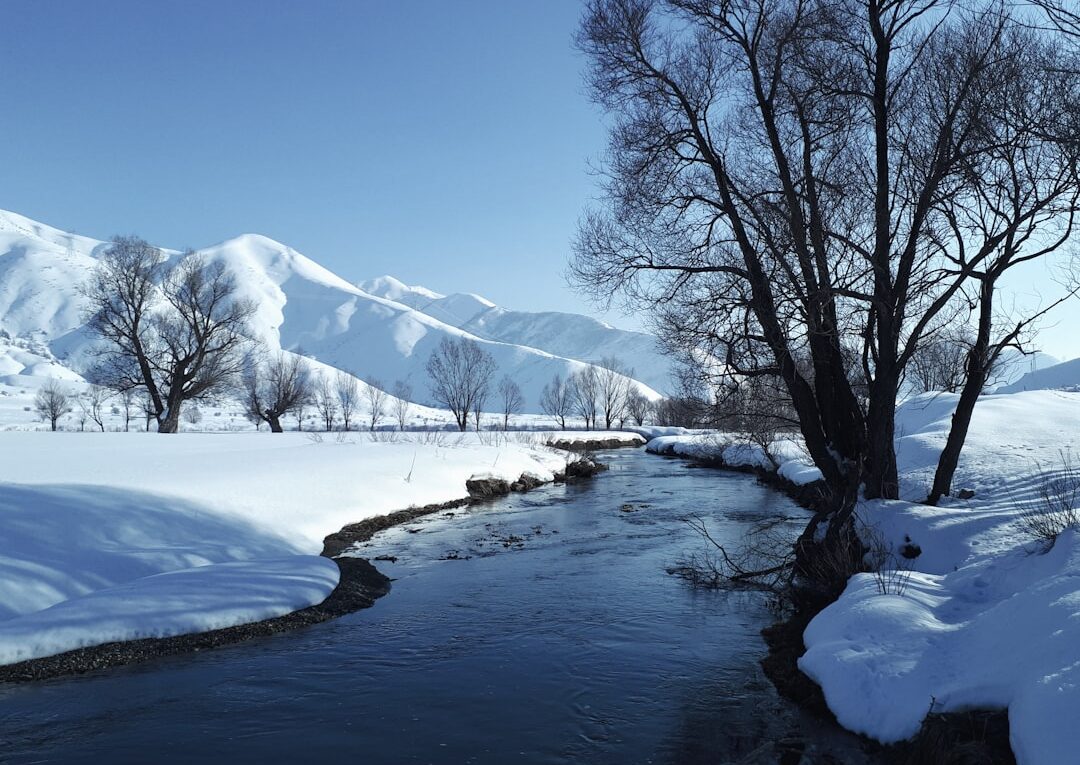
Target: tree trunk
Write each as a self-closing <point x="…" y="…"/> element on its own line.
<point x="882" y="481"/>
<point x="979" y="361"/>
<point x="275" y="422"/>
<point x="171" y="422"/>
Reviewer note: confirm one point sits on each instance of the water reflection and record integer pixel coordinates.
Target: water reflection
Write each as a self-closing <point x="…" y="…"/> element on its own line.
<point x="537" y="629"/>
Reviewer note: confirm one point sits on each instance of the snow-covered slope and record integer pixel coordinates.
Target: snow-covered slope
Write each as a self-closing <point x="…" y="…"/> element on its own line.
<point x="212" y="530"/>
<point x="1059" y="376"/>
<point x="562" y="334"/>
<point x="302" y="307"/>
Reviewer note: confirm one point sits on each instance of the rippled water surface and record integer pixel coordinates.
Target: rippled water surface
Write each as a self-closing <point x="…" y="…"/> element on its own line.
<point x="541" y="628"/>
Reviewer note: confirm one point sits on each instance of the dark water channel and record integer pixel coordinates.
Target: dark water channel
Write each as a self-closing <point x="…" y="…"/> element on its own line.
<point x="556" y="637"/>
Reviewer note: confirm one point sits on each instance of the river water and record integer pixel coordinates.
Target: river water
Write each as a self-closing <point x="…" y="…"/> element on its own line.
<point x="539" y="628"/>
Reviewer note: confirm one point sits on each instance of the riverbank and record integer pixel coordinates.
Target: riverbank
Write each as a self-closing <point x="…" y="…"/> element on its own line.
<point x="97" y="569"/>
<point x="972" y="609"/>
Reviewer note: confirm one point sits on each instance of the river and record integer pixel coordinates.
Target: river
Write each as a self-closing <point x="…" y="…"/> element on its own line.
<point x="539" y="628"/>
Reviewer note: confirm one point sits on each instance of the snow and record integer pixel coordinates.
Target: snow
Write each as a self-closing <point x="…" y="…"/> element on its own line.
<point x="560" y="334"/>
<point x="986" y="617"/>
<point x="989" y="618"/>
<point x="173" y="603"/>
<point x="304" y="307"/>
<point x="733" y="450"/>
<point x="1063" y="375"/>
<point x="116" y="536"/>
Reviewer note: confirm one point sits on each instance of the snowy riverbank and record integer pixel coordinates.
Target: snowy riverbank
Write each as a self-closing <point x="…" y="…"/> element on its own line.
<point x="122" y="536"/>
<point x="988" y="616"/>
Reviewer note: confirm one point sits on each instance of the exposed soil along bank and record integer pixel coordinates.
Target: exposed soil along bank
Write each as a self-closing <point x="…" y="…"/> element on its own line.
<point x="595" y="444"/>
<point x="359" y="586"/>
<point x="977" y="737"/>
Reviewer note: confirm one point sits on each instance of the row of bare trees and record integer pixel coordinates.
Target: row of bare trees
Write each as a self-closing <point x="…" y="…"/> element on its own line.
<point x="462" y="374"/>
<point x="285" y="385"/>
<point x="598" y="392"/>
<point x="54" y="401"/>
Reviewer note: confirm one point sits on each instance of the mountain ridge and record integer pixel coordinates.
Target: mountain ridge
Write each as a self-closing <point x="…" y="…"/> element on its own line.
<point x="304" y="307"/>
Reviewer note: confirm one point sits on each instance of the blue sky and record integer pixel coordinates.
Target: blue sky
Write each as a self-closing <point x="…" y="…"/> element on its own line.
<point x="443" y="142"/>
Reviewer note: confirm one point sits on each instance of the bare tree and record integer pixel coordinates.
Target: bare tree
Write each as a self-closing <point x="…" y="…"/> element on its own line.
<point x="460" y="372"/>
<point x="613" y="380"/>
<point x="92" y="404"/>
<point x="584" y="387"/>
<point x="146" y="405"/>
<point x="938" y="364"/>
<point x="376" y="401"/>
<point x="347" y="390"/>
<point x="478" y="408"/>
<point x="275" y="388"/>
<point x="638" y="407"/>
<point x="511" y="399"/>
<point x="402" y="403"/>
<point x="325" y="399"/>
<point x="52" y="402"/>
<point x="176" y="331"/>
<point x="556" y="400"/>
<point x="193" y="415"/>
<point x="788" y="179"/>
<point x="299" y="411"/>
<point x="127" y="406"/>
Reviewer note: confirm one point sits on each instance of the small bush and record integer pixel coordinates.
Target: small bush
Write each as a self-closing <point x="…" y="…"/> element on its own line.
<point x="1058" y="504"/>
<point x="892" y="572"/>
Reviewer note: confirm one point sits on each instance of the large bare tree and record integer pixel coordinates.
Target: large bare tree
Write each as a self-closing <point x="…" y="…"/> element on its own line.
<point x="783" y="181"/>
<point x="460" y="372"/>
<point x="174" y="329"/>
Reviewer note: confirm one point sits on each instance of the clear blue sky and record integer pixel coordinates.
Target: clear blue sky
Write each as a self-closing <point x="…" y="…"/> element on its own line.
<point x="443" y="142"/>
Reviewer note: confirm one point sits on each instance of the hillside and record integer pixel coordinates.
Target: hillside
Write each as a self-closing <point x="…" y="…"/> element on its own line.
<point x="562" y="334"/>
<point x="1065" y="375"/>
<point x="302" y="307"/>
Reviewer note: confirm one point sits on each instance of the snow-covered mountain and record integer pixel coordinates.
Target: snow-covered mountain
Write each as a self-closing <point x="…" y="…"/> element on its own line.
<point x="302" y="307"/>
<point x="562" y="334"/>
<point x="1057" y="376"/>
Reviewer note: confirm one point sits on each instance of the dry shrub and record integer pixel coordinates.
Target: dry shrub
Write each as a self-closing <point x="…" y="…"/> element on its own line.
<point x="1058" y="505"/>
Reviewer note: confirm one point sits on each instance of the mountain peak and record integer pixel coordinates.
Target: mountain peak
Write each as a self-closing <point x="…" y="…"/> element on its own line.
<point x="388" y="287"/>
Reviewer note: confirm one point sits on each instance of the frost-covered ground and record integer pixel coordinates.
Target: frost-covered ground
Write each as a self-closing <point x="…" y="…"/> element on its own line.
<point x="988" y="616"/>
<point x="119" y="536"/>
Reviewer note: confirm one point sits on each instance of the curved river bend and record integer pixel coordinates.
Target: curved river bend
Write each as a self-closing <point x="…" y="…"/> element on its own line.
<point x="540" y="628"/>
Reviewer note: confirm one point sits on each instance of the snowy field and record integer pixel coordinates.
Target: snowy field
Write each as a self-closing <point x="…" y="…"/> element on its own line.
<point x="119" y="536"/>
<point x="987" y="616"/>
